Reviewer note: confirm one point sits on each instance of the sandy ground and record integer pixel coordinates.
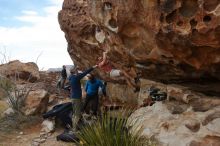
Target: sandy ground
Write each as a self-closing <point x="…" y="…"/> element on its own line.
<point x="13" y="137"/>
<point x="16" y="139"/>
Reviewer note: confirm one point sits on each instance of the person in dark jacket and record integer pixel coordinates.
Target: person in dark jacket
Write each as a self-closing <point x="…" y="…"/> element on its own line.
<point x="63" y="76"/>
<point x="92" y="89"/>
<point x="76" y="93"/>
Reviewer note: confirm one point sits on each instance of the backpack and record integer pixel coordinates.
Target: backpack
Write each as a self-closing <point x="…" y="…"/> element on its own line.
<point x="67" y="137"/>
<point x="62" y="112"/>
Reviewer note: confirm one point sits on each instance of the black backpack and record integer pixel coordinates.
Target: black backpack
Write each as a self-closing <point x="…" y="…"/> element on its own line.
<point x="67" y="137"/>
<point x="62" y="112"/>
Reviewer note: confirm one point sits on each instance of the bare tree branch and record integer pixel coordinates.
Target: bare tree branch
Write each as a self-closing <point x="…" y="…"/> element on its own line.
<point x="5" y="59"/>
<point x="38" y="56"/>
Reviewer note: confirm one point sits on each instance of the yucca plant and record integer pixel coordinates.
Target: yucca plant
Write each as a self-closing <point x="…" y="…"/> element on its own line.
<point x="111" y="131"/>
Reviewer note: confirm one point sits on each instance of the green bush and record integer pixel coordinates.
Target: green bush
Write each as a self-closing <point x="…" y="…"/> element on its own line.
<point x="111" y="131"/>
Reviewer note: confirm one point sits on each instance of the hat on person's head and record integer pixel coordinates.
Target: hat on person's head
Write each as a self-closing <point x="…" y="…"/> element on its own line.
<point x="91" y="76"/>
<point x="88" y="75"/>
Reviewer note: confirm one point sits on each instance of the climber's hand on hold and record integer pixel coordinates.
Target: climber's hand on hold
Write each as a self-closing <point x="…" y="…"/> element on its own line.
<point x="95" y="66"/>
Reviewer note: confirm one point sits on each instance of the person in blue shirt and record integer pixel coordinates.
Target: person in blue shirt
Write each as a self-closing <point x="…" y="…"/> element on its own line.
<point x="92" y="89"/>
<point x="76" y="93"/>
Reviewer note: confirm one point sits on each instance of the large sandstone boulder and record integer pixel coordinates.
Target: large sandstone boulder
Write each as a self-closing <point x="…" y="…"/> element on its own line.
<point x="36" y="102"/>
<point x="179" y="95"/>
<point x="177" y="129"/>
<point x="20" y="71"/>
<point x="122" y="94"/>
<point x="207" y="141"/>
<point x="163" y="39"/>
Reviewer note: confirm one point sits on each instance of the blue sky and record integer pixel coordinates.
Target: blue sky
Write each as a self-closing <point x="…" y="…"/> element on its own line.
<point x="29" y="28"/>
<point x="9" y="9"/>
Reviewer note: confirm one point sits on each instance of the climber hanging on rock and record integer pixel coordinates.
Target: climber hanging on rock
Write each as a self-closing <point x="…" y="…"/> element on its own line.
<point x="105" y="65"/>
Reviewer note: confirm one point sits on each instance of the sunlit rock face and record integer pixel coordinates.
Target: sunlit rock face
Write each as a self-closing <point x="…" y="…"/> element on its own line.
<point x="19" y="72"/>
<point x="162" y="39"/>
<point x="189" y="128"/>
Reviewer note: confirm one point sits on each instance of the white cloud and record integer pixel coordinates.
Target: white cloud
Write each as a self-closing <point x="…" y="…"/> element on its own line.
<point x="29" y="12"/>
<point x="30" y="18"/>
<point x="43" y="35"/>
<point x="57" y="2"/>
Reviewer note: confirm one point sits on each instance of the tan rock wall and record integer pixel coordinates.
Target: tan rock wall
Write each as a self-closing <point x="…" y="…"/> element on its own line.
<point x="164" y="39"/>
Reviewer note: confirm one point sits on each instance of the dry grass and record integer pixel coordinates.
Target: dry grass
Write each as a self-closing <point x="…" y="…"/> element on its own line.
<point x="17" y="122"/>
<point x="3" y="107"/>
<point x="2" y="94"/>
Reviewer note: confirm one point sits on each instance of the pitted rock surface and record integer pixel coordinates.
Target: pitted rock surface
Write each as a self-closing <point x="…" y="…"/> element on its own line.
<point x="163" y="39"/>
<point x="176" y="129"/>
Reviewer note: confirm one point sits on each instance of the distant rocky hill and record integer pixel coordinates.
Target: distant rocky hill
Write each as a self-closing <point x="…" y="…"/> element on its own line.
<point x="68" y="67"/>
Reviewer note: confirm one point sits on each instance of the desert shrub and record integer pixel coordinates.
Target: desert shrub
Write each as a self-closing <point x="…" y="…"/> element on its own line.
<point x="111" y="131"/>
<point x="17" y="122"/>
<point x="16" y="98"/>
<point x="6" y="84"/>
<point x="16" y="95"/>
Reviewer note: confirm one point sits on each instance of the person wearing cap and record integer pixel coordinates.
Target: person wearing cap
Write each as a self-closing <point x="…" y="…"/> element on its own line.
<point x="76" y="93"/>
